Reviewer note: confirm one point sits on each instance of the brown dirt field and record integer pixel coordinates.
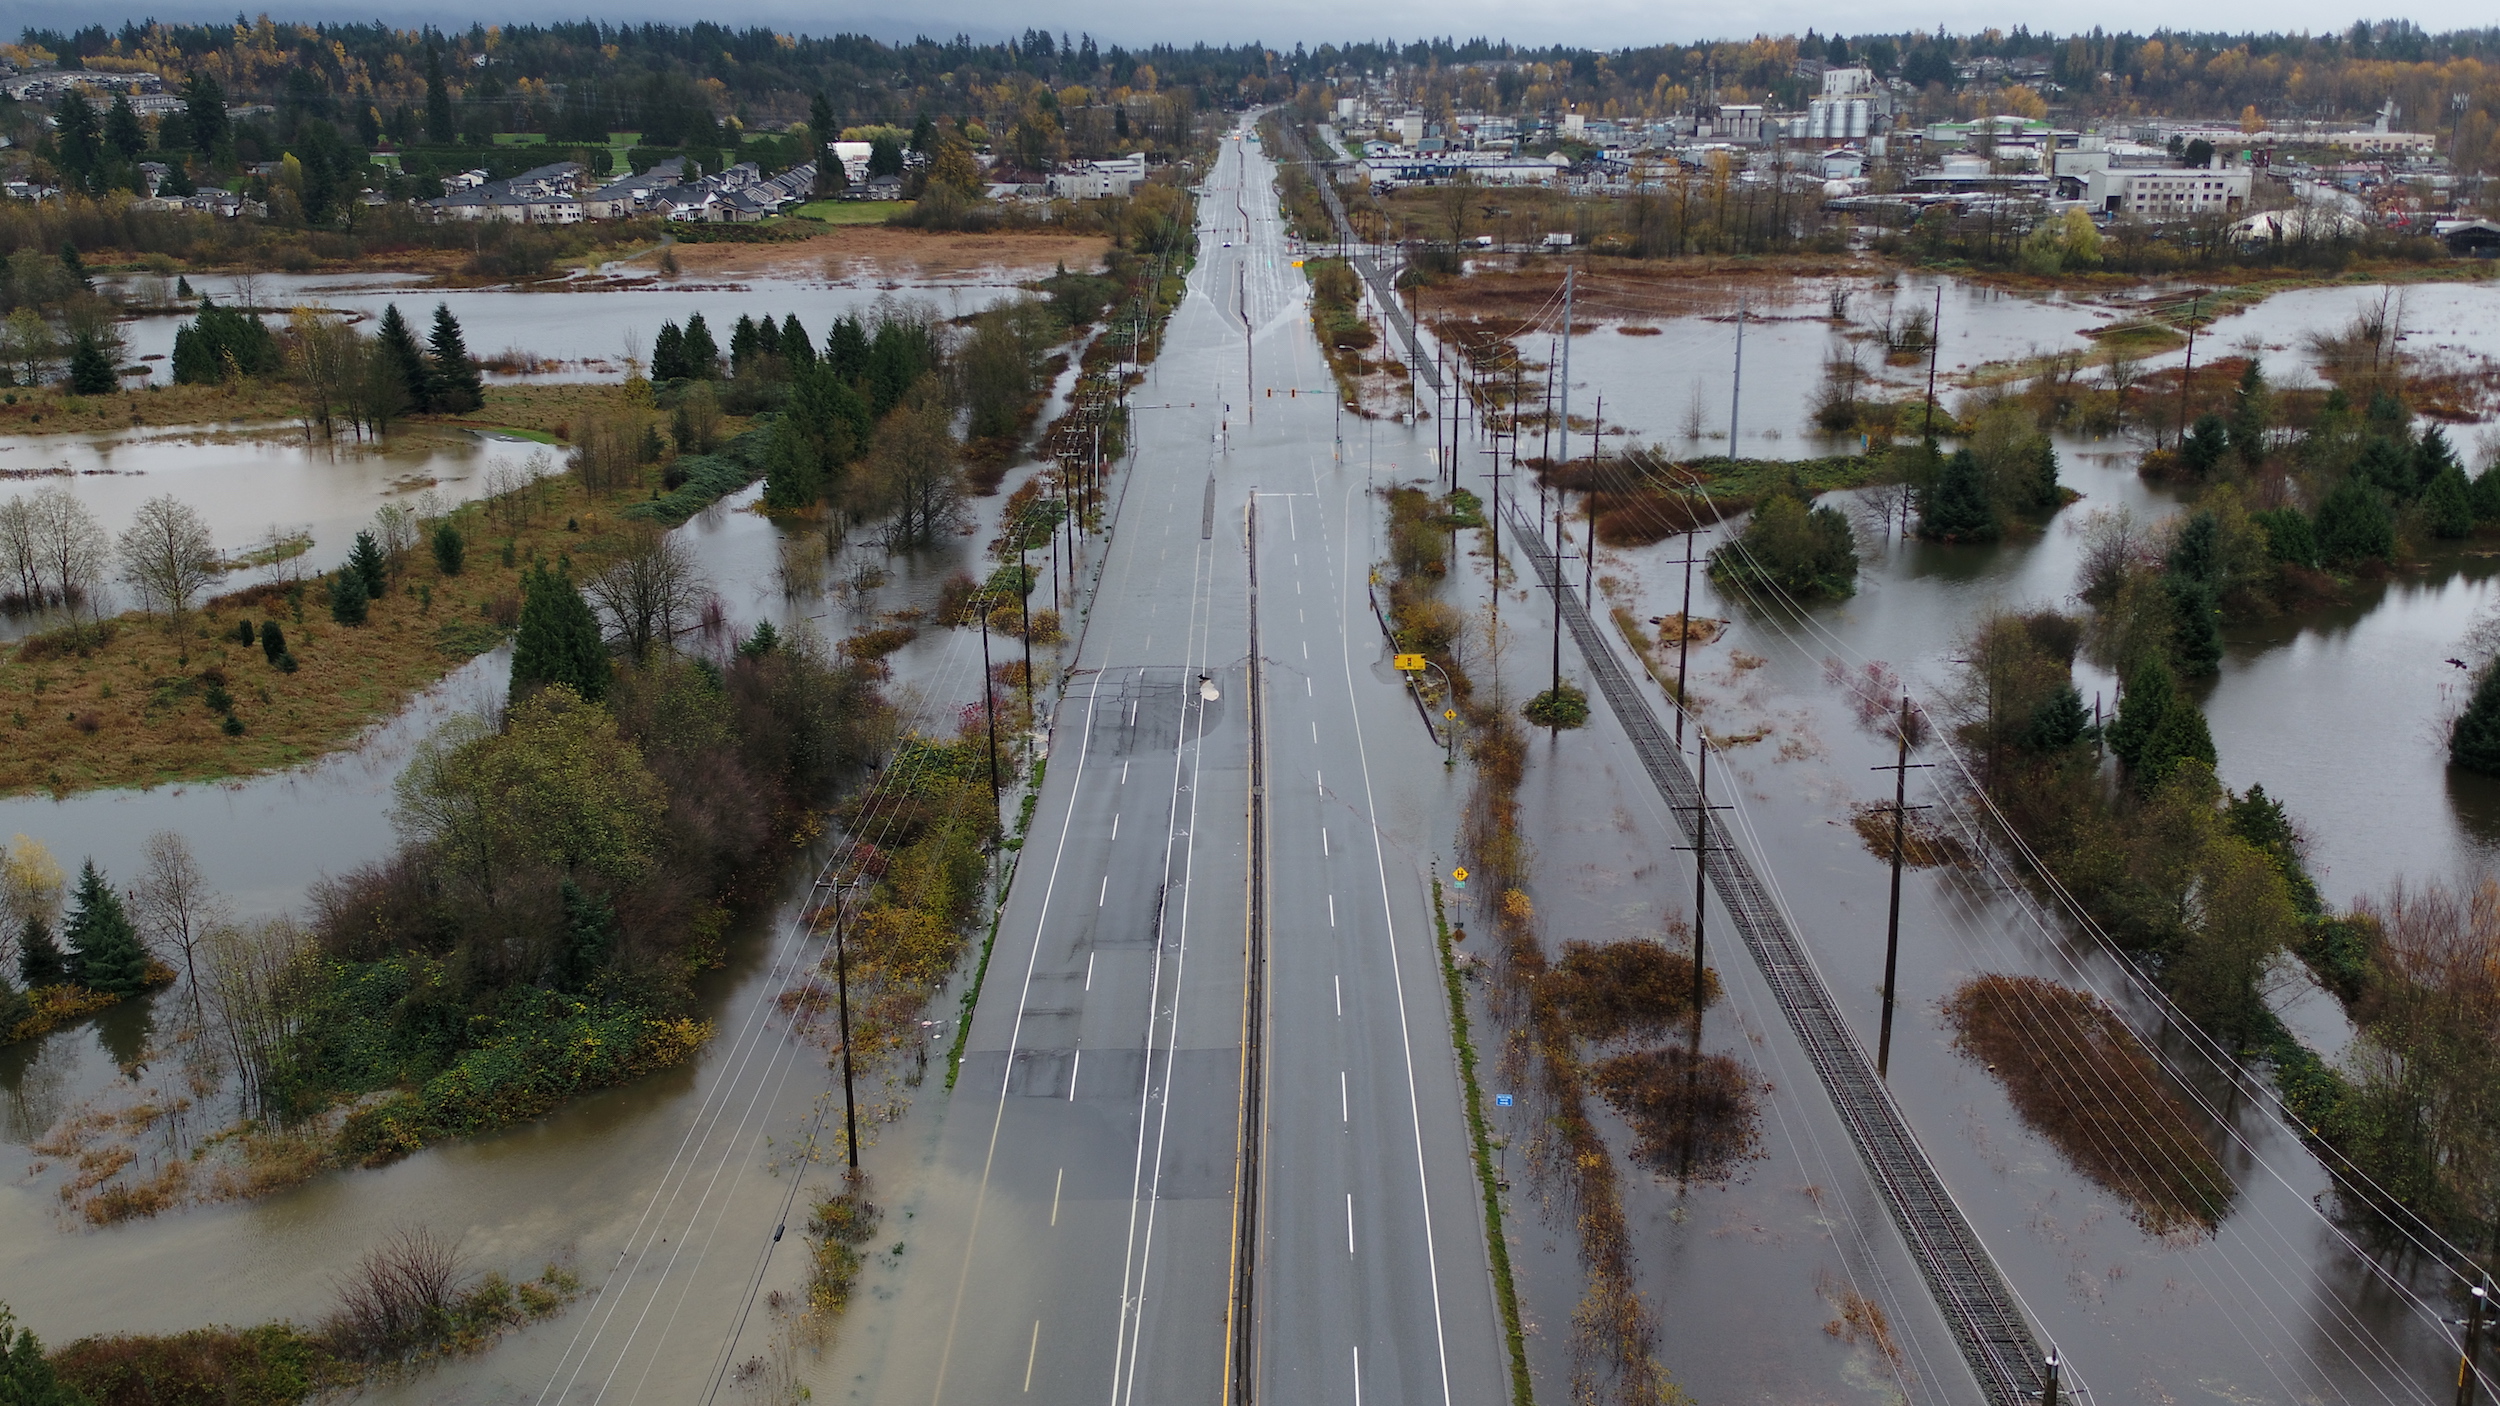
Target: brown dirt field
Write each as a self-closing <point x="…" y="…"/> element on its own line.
<point x="881" y="251"/>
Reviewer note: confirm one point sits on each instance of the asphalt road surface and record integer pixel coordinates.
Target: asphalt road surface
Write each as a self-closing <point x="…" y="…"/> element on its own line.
<point x="1091" y="1149"/>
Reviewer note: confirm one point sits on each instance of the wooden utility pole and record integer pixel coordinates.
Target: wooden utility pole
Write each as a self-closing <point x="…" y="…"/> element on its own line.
<point x="842" y="986"/>
<point x="1934" y="326"/>
<point x="2187" y="369"/>
<point x="1901" y="809"/>
<point x="1701" y="869"/>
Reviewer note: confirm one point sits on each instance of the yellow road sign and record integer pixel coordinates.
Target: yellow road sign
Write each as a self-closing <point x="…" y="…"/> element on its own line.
<point x="1449" y="713"/>
<point x="1409" y="662"/>
<point x="1459" y="874"/>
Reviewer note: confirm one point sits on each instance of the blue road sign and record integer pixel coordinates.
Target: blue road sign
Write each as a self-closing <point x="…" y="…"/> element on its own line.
<point x="1501" y="1100"/>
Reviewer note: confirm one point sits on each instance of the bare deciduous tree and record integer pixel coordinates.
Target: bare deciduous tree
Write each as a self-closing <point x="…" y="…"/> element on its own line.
<point x="398" y="1297"/>
<point x="325" y="359"/>
<point x="73" y="547"/>
<point x="260" y="981"/>
<point x="394" y="530"/>
<point x="649" y="595"/>
<point x="607" y="450"/>
<point x="20" y="558"/>
<point x="167" y="555"/>
<point x="175" y="908"/>
<point x="914" y="477"/>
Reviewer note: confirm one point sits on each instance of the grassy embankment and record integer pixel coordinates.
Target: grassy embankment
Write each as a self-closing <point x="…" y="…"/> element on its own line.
<point x="407" y="1305"/>
<point x="128" y="701"/>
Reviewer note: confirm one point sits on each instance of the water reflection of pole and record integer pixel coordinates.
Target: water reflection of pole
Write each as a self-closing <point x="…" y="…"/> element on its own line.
<point x="1892" y="926"/>
<point x="1684" y="639"/>
<point x="1736" y="395"/>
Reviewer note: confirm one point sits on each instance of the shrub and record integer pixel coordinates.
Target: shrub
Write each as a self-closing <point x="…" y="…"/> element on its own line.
<point x="1562" y="706"/>
<point x="272" y="641"/>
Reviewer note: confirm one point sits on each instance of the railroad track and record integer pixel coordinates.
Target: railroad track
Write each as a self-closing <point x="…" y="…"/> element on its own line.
<point x="1995" y="1338"/>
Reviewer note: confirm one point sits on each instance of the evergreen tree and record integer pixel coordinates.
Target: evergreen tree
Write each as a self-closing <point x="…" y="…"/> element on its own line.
<point x="2354" y="526"/>
<point x="2141" y="708"/>
<point x="743" y="345"/>
<point x="122" y="131"/>
<point x="451" y="550"/>
<point x="2448" y="504"/>
<point x="453" y="385"/>
<point x="77" y="139"/>
<point x="39" y="959"/>
<point x="400" y="350"/>
<point x="702" y="354"/>
<point x="668" y="354"/>
<point x="2432" y="457"/>
<point x="91" y="367"/>
<point x="2196" y="632"/>
<point x="796" y="350"/>
<point x="2387" y="465"/>
<point x="104" y="950"/>
<point x="222" y="343"/>
<point x="2486" y="495"/>
<point x="924" y="134"/>
<point x="793" y="475"/>
<point x="832" y="176"/>
<point x="349" y="600"/>
<point x="589" y="932"/>
<point x="2059" y="722"/>
<point x="1953" y="507"/>
<point x="558" y="639"/>
<point x="26" y="1375"/>
<point x="846" y="350"/>
<point x="439" y="127"/>
<point x="2196" y="553"/>
<point x="272" y="640"/>
<point x="2181" y="737"/>
<point x="2288" y="536"/>
<point x="204" y="113"/>
<point x="366" y="561"/>
<point x="2206" y="444"/>
<point x="767" y="337"/>
<point x="2474" y="740"/>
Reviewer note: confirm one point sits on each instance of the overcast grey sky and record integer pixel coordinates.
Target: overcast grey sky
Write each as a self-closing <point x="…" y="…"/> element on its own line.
<point x="1282" y="23"/>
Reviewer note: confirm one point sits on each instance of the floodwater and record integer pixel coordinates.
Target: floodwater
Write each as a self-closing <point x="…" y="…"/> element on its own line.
<point x="256" y="484"/>
<point x="2338" y="713"/>
<point x="2308" y="706"/>
<point x="574" y="1183"/>
<point x="586" y="330"/>
<point x="2275" y="1306"/>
